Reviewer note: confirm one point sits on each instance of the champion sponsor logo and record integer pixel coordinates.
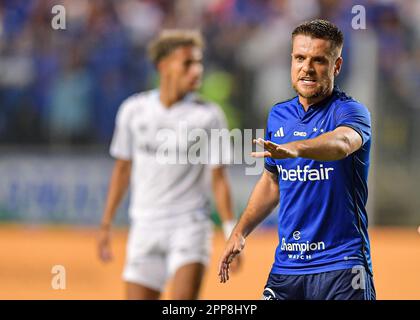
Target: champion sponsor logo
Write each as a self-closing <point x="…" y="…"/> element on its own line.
<point x="279" y="133"/>
<point x="305" y="173"/>
<point x="302" y="247"/>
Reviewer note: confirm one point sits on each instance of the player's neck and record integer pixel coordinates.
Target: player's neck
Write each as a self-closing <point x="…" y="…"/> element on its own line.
<point x="169" y="95"/>
<point x="307" y="102"/>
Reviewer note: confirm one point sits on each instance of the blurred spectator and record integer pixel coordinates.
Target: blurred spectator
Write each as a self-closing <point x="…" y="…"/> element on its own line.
<point x="69" y="115"/>
<point x="64" y="86"/>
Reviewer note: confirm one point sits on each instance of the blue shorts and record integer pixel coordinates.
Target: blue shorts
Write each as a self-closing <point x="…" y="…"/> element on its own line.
<point x="347" y="284"/>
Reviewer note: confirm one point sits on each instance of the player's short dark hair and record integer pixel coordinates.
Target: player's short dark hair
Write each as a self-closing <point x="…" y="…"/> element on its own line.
<point x="169" y="40"/>
<point x="321" y="29"/>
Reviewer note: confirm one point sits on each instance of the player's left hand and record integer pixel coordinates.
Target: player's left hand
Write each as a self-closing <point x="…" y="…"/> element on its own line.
<point x="275" y="151"/>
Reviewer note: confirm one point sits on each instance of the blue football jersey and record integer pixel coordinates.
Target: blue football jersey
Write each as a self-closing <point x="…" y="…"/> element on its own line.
<point x="322" y="218"/>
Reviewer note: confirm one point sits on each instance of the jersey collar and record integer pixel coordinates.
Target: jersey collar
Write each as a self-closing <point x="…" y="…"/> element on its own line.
<point x="317" y="106"/>
<point x="189" y="97"/>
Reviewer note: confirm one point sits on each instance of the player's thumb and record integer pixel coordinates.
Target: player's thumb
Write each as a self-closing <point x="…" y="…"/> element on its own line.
<point x="237" y="248"/>
<point x="239" y="244"/>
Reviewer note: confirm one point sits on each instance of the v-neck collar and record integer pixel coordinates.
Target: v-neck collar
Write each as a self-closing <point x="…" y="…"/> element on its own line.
<point x="188" y="97"/>
<point x="316" y="106"/>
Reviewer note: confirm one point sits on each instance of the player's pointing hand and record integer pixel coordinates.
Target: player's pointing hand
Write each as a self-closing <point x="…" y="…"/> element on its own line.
<point x="275" y="151"/>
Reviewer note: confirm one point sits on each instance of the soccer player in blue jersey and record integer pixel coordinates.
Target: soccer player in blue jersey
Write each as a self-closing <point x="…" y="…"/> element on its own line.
<point x="316" y="166"/>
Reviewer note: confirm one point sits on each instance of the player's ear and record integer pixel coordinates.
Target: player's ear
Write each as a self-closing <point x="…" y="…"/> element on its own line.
<point x="337" y="66"/>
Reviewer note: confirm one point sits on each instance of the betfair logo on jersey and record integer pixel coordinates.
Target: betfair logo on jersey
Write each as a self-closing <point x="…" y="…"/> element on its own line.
<point x="305" y="174"/>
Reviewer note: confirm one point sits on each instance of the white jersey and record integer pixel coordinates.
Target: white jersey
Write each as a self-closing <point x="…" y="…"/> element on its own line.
<point x="161" y="192"/>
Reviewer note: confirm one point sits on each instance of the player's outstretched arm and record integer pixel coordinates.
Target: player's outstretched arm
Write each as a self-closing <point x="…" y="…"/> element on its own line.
<point x="263" y="200"/>
<point x="118" y="185"/>
<point x="330" y="146"/>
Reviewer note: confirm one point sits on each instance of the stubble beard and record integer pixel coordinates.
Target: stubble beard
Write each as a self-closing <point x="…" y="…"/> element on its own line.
<point x="321" y="91"/>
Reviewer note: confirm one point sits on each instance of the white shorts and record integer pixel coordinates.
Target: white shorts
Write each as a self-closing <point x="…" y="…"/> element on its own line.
<point x="155" y="254"/>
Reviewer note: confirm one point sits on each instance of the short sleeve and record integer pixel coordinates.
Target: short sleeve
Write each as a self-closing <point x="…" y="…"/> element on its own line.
<point x="269" y="163"/>
<point x="355" y="116"/>
<point x="121" y="145"/>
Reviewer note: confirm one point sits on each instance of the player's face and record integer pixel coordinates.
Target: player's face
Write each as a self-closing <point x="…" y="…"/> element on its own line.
<point x="184" y="68"/>
<point x="314" y="66"/>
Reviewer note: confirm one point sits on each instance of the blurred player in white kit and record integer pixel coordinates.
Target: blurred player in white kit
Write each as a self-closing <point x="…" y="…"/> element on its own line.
<point x="170" y="227"/>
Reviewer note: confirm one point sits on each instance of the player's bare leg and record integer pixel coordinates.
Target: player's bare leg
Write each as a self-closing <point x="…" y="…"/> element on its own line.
<point x="187" y="281"/>
<point x="135" y="291"/>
